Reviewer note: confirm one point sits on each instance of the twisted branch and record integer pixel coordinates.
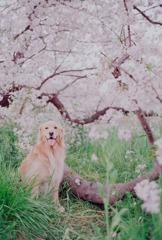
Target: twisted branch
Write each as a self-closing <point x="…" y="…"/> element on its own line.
<point x="145" y="16"/>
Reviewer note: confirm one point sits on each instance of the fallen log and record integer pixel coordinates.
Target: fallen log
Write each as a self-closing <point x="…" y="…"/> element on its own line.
<point x="88" y="191"/>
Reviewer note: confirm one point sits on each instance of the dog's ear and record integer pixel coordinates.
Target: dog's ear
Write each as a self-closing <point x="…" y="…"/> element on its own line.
<point x="39" y="136"/>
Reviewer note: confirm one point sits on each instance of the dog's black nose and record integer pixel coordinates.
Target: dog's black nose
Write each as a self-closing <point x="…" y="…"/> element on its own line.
<point x="51" y="134"/>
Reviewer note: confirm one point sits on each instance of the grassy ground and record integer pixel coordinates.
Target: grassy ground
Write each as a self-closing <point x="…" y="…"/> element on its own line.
<point x="23" y="218"/>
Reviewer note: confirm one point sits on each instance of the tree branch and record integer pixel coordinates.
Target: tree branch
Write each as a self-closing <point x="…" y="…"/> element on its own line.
<point x="116" y="64"/>
<point x="59" y="105"/>
<point x="128" y="26"/>
<point x="69" y="84"/>
<point x="145" y="126"/>
<point x="157" y="96"/>
<point x="146" y="17"/>
<point x="61" y="108"/>
<point x="5" y="102"/>
<point x="55" y="73"/>
<point x="22" y="32"/>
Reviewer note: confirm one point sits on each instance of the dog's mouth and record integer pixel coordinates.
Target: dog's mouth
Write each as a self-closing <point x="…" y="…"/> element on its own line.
<point x="51" y="141"/>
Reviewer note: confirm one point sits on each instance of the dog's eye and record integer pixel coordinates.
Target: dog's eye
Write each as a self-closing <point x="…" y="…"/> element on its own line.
<point x="55" y="127"/>
<point x="46" y="127"/>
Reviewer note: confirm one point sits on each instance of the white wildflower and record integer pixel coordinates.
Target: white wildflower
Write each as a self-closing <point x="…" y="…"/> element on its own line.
<point x="113" y="193"/>
<point x="128" y="153"/>
<point x="140" y="167"/>
<point x="94" y="158"/>
<point x="114" y="235"/>
<point x="149" y="192"/>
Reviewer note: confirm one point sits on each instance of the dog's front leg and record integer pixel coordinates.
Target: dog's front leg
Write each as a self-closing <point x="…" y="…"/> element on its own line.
<point x="55" y="196"/>
<point x="35" y="191"/>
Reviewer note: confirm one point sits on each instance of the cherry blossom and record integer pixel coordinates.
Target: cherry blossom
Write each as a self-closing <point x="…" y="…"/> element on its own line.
<point x="124" y="134"/>
<point x="149" y="192"/>
<point x="158" y="143"/>
<point x="80" y="61"/>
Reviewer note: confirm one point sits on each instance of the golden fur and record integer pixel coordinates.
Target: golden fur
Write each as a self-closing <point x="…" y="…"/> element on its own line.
<point x="44" y="165"/>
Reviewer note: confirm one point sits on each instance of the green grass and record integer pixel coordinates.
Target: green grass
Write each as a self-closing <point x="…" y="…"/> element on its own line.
<point x="79" y="157"/>
<point x="10" y="154"/>
<point x="23" y="218"/>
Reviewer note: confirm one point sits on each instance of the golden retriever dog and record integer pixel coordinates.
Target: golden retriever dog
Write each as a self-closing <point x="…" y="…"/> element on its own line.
<point x="44" y="165"/>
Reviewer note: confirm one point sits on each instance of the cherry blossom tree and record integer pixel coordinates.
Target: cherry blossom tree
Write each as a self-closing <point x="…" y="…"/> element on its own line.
<point x="82" y="60"/>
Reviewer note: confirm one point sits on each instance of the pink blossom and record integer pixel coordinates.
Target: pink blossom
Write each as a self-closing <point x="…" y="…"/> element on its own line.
<point x="54" y="51"/>
<point x="149" y="192"/>
<point x="158" y="143"/>
<point x="124" y="134"/>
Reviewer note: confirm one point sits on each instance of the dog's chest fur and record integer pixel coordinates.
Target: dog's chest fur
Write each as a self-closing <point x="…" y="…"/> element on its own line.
<point x="56" y="165"/>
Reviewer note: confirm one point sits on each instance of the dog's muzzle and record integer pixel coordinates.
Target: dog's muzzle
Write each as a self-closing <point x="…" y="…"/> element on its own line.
<point x="51" y="140"/>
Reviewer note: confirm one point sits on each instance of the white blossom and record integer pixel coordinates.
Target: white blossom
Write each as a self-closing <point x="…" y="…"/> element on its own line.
<point x="128" y="154"/>
<point x="140" y="167"/>
<point x="96" y="133"/>
<point x="68" y="50"/>
<point x="158" y="143"/>
<point x="124" y="134"/>
<point x="149" y="192"/>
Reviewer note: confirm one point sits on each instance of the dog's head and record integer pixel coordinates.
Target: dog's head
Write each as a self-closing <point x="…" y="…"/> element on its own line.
<point x="50" y="132"/>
